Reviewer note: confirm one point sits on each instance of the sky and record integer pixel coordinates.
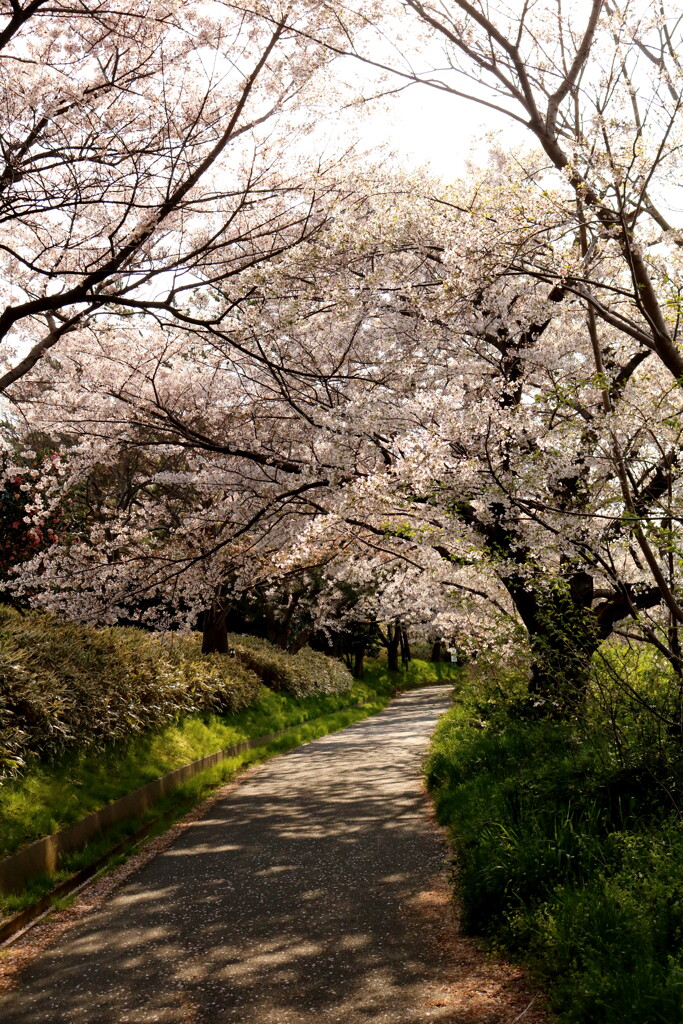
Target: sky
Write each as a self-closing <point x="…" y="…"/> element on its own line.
<point x="442" y="132"/>
<point x="427" y="128"/>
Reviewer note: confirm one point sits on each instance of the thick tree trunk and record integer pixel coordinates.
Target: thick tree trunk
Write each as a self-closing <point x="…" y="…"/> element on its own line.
<point x="215" y="632"/>
<point x="437" y="650"/>
<point x="563" y="635"/>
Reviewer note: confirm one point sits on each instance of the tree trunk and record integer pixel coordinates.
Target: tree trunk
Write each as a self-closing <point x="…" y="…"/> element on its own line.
<point x="359" y="660"/>
<point x="436" y="651"/>
<point x="215" y="632"/>
<point x="563" y="634"/>
<point x="405" y="648"/>
<point x="393" y="644"/>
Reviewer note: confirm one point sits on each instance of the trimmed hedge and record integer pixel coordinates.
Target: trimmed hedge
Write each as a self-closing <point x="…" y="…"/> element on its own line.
<point x="67" y="687"/>
<point x="303" y="674"/>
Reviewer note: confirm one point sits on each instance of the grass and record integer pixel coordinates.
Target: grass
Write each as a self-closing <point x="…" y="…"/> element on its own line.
<point x="418" y="673"/>
<point x="569" y="846"/>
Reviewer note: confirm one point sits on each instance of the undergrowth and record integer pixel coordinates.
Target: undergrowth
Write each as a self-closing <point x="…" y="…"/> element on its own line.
<point x="568" y="837"/>
<point x="303" y="674"/>
<point x="65" y="687"/>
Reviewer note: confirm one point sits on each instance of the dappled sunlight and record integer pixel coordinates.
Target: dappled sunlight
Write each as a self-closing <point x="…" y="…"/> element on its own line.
<point x="200" y="849"/>
<point x="291" y="902"/>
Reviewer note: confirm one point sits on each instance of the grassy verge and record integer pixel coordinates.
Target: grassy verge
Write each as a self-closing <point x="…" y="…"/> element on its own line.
<point x="50" y="797"/>
<point x="569" y="847"/>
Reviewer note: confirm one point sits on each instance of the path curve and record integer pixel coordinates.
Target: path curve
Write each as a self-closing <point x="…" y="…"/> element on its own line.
<point x="292" y="902"/>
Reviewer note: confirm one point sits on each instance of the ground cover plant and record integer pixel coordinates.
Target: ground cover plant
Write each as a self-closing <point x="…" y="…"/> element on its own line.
<point x="302" y="674"/>
<point x="568" y="836"/>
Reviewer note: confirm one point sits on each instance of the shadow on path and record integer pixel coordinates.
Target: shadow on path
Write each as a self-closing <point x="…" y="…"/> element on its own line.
<point x="291" y="902"/>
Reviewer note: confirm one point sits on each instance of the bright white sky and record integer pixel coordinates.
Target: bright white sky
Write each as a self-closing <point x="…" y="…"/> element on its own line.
<point x="438" y="131"/>
<point x="428" y="128"/>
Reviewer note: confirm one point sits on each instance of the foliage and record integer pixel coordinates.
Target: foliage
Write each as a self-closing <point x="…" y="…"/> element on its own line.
<point x="66" y="687"/>
<point x="416" y="674"/>
<point x="522" y="424"/>
<point x="302" y="674"/>
<point x="568" y="839"/>
<point x="421" y="649"/>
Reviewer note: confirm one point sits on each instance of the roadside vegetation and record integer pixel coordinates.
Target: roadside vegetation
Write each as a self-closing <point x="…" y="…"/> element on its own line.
<point x="67" y="688"/>
<point x="567" y="832"/>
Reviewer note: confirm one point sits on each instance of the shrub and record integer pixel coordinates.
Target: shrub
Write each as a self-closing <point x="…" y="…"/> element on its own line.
<point x="303" y="674"/>
<point x="65" y="686"/>
<point x="569" y="840"/>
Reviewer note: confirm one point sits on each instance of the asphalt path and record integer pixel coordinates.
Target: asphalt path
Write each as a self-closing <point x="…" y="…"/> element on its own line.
<point x="292" y="902"/>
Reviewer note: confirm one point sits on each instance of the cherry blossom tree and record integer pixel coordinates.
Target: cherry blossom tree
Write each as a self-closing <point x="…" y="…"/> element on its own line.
<point x="598" y="89"/>
<point x="142" y="146"/>
<point x="458" y="377"/>
<point x="227" y="447"/>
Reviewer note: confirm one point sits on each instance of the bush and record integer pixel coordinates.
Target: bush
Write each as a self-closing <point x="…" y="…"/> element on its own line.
<point x="303" y="674"/>
<point x="569" y="843"/>
<point x="65" y="686"/>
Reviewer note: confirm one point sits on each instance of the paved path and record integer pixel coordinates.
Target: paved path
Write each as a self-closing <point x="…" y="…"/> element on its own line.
<point x="289" y="904"/>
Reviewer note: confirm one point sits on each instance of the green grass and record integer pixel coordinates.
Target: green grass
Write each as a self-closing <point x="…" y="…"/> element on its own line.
<point x="419" y="673"/>
<point x="569" y="847"/>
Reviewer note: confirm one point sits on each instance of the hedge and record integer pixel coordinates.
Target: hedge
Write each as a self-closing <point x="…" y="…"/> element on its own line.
<point x="303" y="674"/>
<point x="65" y="686"/>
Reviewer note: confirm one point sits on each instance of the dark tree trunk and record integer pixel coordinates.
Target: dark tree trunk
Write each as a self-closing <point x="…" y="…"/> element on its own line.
<point x="563" y="627"/>
<point x="283" y="634"/>
<point x="215" y="632"/>
<point x="393" y="645"/>
<point x="405" y="648"/>
<point x="436" y="651"/>
<point x="563" y="633"/>
<point x="359" y="660"/>
<point x="272" y="627"/>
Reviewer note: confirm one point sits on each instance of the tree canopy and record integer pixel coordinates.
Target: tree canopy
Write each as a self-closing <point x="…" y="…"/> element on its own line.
<point x="366" y="395"/>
